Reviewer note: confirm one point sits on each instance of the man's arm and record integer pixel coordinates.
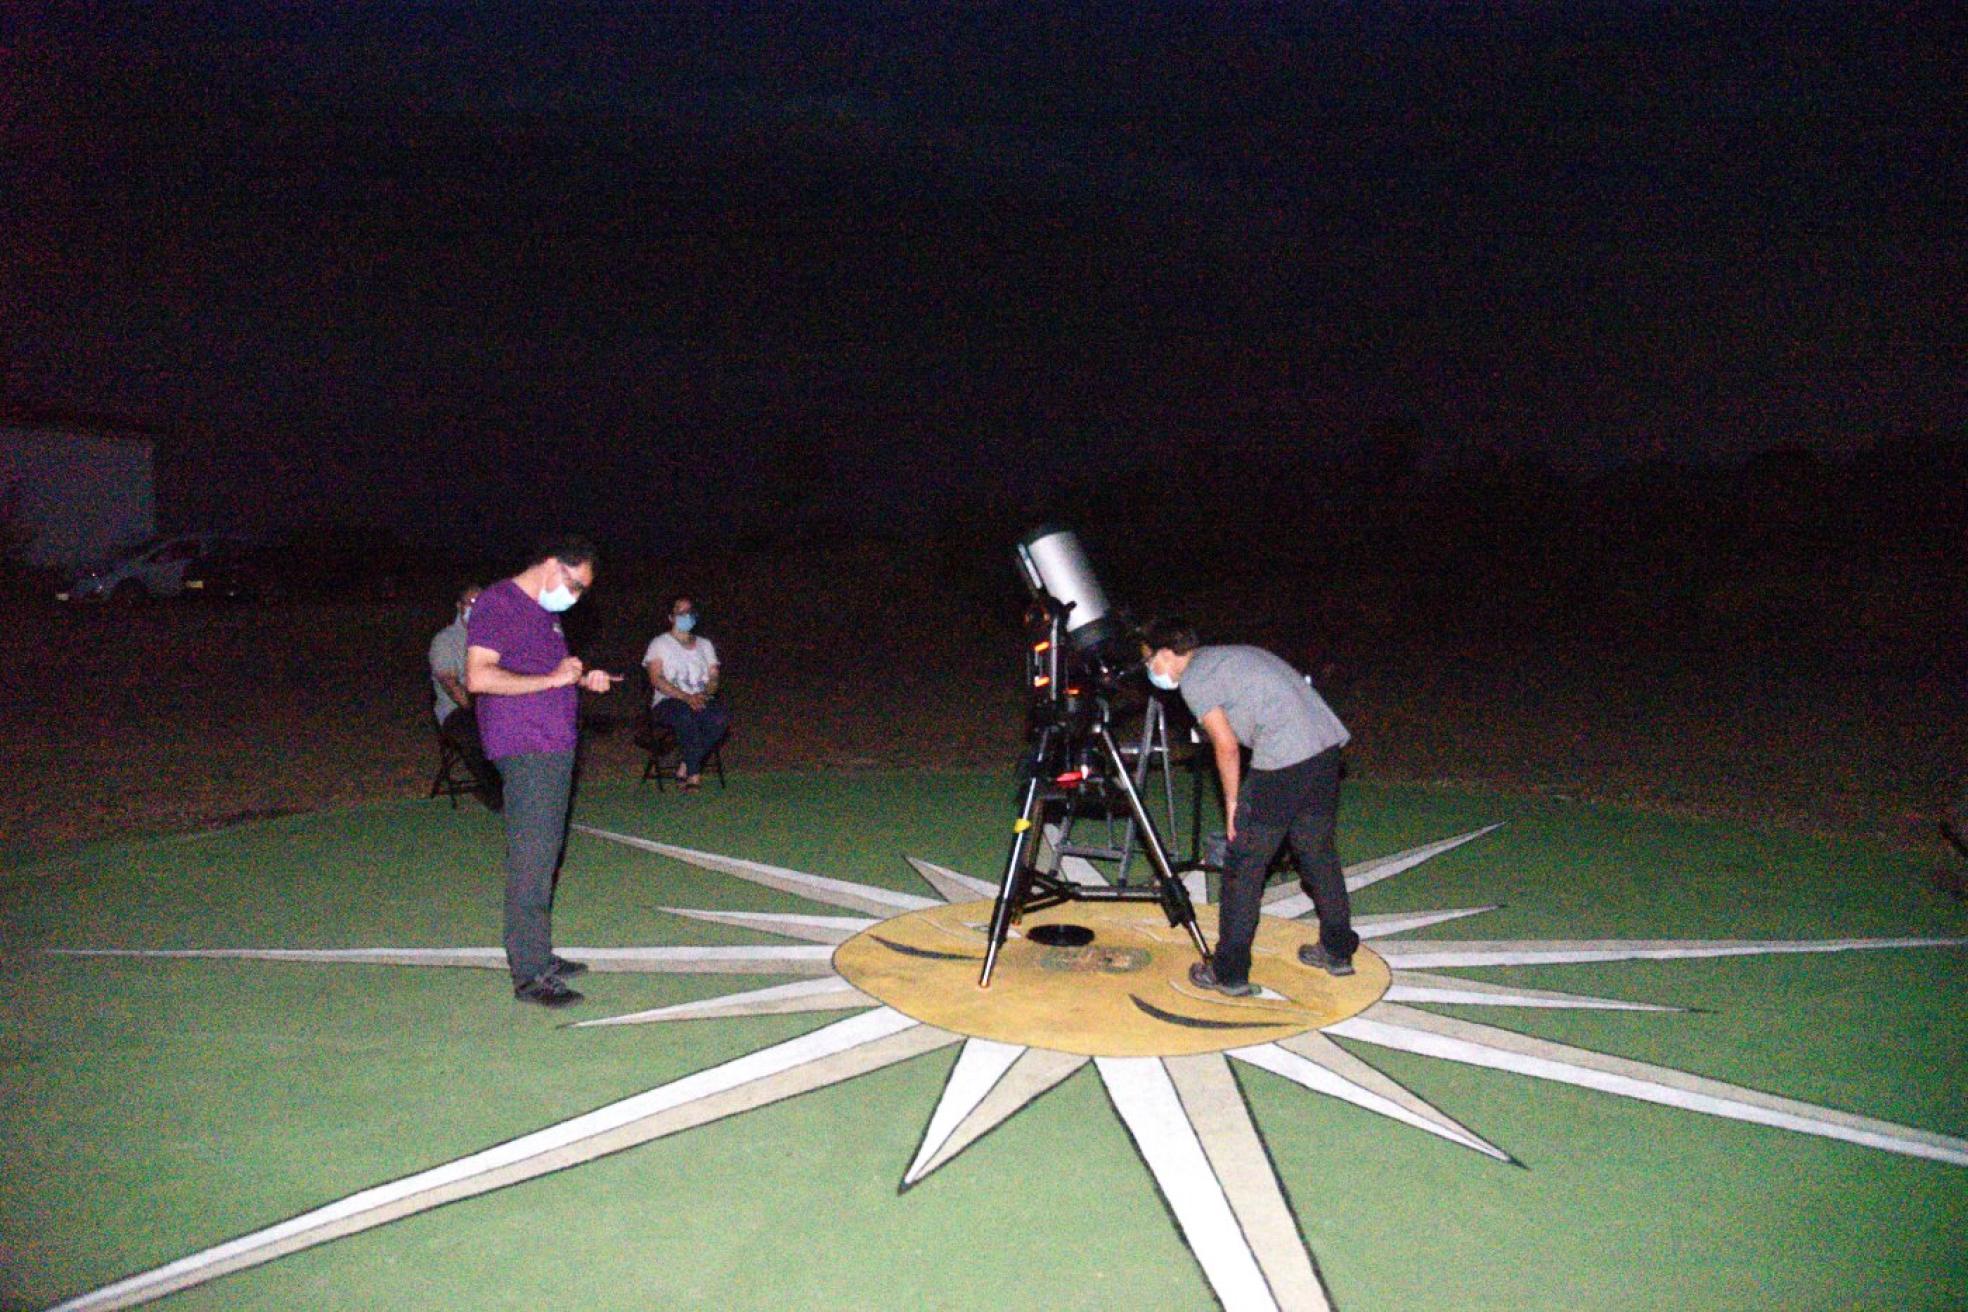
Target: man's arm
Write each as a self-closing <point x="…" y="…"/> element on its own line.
<point x="454" y="686"/>
<point x="484" y="675"/>
<point x="1229" y="763"/>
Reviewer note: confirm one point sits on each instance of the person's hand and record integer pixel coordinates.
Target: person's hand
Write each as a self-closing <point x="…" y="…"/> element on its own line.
<point x="567" y="672"/>
<point x="1229" y="829"/>
<point x="697" y="701"/>
<point x="599" y="680"/>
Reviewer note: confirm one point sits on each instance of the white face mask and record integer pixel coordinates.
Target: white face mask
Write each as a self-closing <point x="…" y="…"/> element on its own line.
<point x="559" y="597"/>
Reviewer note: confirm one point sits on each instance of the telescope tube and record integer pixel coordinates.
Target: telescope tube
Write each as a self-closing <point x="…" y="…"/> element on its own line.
<point x="1056" y="564"/>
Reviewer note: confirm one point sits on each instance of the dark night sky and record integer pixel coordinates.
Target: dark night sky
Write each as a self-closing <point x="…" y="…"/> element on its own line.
<point x="486" y="265"/>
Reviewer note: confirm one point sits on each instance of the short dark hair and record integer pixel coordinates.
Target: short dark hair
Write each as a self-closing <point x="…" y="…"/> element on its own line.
<point x="675" y="598"/>
<point x="1177" y="635"/>
<point x="567" y="549"/>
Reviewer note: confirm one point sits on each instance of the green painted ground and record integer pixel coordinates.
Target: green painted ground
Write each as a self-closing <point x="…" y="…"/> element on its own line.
<point x="153" y="1108"/>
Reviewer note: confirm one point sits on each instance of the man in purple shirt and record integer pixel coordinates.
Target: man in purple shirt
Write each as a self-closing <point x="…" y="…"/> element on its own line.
<point x="525" y="682"/>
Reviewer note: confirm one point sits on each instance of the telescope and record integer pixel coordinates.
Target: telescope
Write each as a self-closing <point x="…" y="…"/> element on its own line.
<point x="1056" y="567"/>
<point x="1079" y="653"/>
<point x="1079" y="649"/>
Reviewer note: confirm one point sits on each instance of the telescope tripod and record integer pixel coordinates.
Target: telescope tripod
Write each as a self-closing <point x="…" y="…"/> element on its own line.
<point x="1026" y="887"/>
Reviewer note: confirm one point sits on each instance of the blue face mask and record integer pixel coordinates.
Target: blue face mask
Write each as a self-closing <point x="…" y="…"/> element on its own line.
<point x="561" y="595"/>
<point x="685" y="622"/>
<point x="1160" y="680"/>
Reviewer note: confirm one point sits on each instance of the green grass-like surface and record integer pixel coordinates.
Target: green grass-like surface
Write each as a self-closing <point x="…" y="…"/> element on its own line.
<point x="153" y="1108"/>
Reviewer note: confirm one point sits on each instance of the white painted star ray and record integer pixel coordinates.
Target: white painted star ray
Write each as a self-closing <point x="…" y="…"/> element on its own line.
<point x="982" y="1093"/>
<point x="1401" y="922"/>
<point x="953" y="886"/>
<point x="980" y="1066"/>
<point x="814" y="929"/>
<point x="830" y="994"/>
<point x="1215" y="1106"/>
<point x="833" y="892"/>
<point x="1413" y="986"/>
<point x="746" y="960"/>
<point x="1289" y="902"/>
<point x="1186" y="1114"/>
<point x="1392" y="1025"/>
<point x="1317" y="1063"/>
<point x="1171" y="1143"/>
<point x="830" y="1055"/>
<point x="1439" y="953"/>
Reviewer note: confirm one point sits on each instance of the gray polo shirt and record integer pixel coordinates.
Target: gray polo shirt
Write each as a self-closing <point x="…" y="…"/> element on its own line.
<point x="1272" y="708"/>
<point x="447" y="654"/>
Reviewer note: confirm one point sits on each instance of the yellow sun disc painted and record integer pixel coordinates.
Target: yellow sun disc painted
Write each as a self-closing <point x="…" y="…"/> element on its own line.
<point x="1125" y="994"/>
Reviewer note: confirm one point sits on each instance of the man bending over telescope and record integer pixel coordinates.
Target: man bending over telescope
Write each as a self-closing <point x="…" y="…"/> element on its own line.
<point x="1247" y="697"/>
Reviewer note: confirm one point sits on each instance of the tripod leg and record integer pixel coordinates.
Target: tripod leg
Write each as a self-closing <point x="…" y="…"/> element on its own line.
<point x="1143" y="759"/>
<point x="1196" y="787"/>
<point x="1175" y="896"/>
<point x="1158" y="741"/>
<point x="1011" y="891"/>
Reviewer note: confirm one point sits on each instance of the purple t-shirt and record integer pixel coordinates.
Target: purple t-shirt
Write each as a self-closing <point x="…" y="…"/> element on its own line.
<point x="529" y="641"/>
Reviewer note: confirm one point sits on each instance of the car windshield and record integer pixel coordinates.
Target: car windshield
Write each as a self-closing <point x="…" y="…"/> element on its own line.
<point x="135" y="547"/>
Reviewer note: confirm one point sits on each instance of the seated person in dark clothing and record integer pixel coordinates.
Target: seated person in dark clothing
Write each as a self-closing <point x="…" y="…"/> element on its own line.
<point x="683" y="677"/>
<point x="453" y="705"/>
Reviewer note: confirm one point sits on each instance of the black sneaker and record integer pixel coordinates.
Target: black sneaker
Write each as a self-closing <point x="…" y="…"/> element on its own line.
<point x="547" y="990"/>
<point x="1203" y="976"/>
<point x="1316" y="956"/>
<point x="561" y="968"/>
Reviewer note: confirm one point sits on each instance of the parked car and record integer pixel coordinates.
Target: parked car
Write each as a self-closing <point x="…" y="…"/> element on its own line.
<point x="314" y="562"/>
<point x="153" y="568"/>
<point x="237" y="571"/>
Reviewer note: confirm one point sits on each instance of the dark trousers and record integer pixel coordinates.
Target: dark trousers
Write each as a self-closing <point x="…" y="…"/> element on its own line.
<point x="539" y="786"/>
<point x="1300" y="803"/>
<point x="460" y="729"/>
<point x="697" y="732"/>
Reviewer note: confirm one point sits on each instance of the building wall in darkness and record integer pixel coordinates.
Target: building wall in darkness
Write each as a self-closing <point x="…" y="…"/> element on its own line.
<point x="80" y="492"/>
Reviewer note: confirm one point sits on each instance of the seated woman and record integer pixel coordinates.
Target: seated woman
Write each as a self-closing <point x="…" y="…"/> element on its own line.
<point x="683" y="672"/>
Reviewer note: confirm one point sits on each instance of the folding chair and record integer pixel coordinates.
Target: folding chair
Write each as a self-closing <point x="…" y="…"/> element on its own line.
<point x="661" y="753"/>
<point x="453" y="775"/>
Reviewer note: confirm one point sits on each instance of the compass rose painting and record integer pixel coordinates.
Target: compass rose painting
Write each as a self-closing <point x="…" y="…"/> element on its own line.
<point x="787" y="1088"/>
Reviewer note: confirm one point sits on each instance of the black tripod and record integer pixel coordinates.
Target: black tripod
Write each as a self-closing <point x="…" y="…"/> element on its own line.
<point x="1072" y="751"/>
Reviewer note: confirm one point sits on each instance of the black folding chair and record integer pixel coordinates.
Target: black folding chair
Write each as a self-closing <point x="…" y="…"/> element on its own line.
<point x="661" y="755"/>
<point x="453" y="775"/>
